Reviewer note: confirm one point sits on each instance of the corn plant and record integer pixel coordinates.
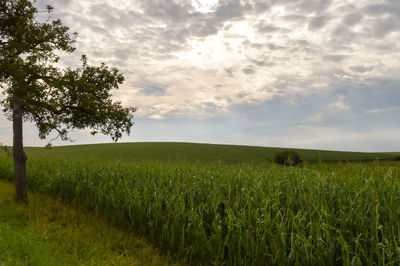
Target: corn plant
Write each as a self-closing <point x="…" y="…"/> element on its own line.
<point x="249" y="214"/>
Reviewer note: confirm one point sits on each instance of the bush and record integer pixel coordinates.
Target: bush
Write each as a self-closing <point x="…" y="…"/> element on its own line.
<point x="397" y="158"/>
<point x="288" y="157"/>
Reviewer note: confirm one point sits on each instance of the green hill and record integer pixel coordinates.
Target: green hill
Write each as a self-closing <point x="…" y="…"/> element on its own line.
<point x="192" y="152"/>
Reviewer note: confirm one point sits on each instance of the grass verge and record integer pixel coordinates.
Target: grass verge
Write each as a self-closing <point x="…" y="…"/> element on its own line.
<point x="48" y="232"/>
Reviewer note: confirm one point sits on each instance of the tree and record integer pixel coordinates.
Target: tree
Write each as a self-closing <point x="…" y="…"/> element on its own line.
<point x="54" y="98"/>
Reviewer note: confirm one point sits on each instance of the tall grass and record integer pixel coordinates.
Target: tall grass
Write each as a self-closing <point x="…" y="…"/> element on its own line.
<point x="244" y="214"/>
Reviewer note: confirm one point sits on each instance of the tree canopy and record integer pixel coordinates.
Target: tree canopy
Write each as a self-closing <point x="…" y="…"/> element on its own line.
<point x="53" y="98"/>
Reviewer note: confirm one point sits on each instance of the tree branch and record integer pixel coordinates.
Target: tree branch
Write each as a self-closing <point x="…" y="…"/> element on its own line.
<point x="61" y="134"/>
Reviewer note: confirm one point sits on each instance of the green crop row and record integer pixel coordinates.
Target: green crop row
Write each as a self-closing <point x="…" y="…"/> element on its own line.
<point x="324" y="214"/>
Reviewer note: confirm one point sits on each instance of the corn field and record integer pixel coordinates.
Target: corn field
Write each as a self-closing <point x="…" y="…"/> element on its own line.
<point x="322" y="214"/>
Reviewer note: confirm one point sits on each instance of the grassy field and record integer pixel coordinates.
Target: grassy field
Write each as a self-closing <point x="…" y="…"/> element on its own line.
<point x="344" y="213"/>
<point x="193" y="152"/>
<point x="49" y="232"/>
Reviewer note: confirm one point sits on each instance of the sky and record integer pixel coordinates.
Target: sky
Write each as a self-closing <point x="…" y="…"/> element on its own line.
<point x="320" y="74"/>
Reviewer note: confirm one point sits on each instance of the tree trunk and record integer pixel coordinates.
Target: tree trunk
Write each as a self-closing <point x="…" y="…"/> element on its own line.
<point x="19" y="154"/>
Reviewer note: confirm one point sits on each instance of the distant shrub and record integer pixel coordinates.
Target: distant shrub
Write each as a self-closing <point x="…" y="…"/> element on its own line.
<point x="288" y="157"/>
<point x="397" y="158"/>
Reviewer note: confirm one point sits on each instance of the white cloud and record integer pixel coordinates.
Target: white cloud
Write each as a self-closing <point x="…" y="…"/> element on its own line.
<point x="339" y="105"/>
<point x="380" y="111"/>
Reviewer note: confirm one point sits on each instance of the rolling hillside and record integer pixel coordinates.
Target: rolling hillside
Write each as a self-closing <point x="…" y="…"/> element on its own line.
<point x="192" y="152"/>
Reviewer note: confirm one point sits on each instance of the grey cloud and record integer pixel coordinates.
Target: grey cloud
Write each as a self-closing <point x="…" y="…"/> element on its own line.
<point x="150" y="88"/>
<point x="241" y="94"/>
<point x="210" y="106"/>
<point x="389" y="6"/>
<point x="295" y="18"/>
<point x="376" y="94"/>
<point x="385" y="46"/>
<point x="288" y="115"/>
<point x="63" y="3"/>
<point x="345" y="8"/>
<point x="273" y="46"/>
<point x="318" y="22"/>
<point x="258" y="63"/>
<point x="98" y="29"/>
<point x="284" y="2"/>
<point x="85" y="23"/>
<point x="124" y="53"/>
<point x="303" y="46"/>
<point x="311" y="6"/>
<point x="164" y="9"/>
<point x="352" y="19"/>
<point x="248" y="70"/>
<point x="342" y="35"/>
<point x="57" y="5"/>
<point x="228" y="9"/>
<point x="261" y="6"/>
<point x="204" y="27"/>
<point x="112" y="17"/>
<point x="262" y="27"/>
<point x="387" y="25"/>
<point x="334" y="57"/>
<point x="177" y="34"/>
<point x="361" y="69"/>
<point x="229" y="71"/>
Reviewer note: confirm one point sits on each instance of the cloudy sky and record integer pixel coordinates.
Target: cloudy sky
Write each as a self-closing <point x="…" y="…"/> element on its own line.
<point x="291" y="73"/>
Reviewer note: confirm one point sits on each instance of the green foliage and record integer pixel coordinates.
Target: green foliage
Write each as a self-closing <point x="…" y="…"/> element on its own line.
<point x="288" y="158"/>
<point x="322" y="214"/>
<point x="5" y="149"/>
<point x="55" y="99"/>
<point x="397" y="158"/>
<point x="48" y="232"/>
